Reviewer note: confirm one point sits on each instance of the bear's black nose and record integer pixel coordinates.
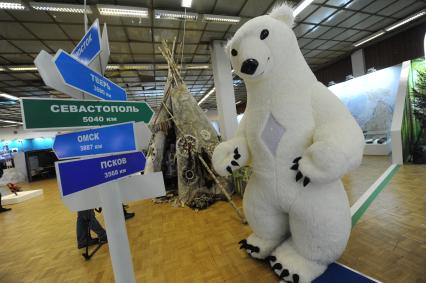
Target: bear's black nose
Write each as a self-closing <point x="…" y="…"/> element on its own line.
<point x="249" y="66"/>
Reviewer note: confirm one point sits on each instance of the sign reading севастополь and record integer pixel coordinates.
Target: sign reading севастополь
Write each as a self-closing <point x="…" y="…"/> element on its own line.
<point x="65" y="113"/>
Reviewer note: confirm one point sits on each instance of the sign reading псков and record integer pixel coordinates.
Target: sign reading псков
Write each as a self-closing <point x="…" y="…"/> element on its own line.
<point x="77" y="175"/>
<point x="89" y="46"/>
<point x="109" y="139"/>
<point x="42" y="113"/>
<point x="82" y="78"/>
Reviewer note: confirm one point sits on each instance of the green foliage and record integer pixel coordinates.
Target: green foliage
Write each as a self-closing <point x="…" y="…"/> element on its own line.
<point x="419" y="100"/>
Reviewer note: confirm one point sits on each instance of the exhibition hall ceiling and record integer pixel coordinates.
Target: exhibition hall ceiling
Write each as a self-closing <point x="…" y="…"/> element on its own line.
<point x="326" y="30"/>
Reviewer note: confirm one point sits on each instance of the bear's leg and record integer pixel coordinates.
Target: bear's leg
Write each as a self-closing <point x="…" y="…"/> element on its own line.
<point x="320" y="224"/>
<point x="270" y="226"/>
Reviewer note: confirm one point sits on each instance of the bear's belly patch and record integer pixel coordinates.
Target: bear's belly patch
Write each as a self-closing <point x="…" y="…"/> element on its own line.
<point x="272" y="134"/>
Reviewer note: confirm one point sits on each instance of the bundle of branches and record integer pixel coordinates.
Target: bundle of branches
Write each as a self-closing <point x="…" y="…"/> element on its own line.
<point x="183" y="143"/>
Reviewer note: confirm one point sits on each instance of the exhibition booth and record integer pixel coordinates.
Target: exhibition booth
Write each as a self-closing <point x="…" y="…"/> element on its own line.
<point x="287" y="188"/>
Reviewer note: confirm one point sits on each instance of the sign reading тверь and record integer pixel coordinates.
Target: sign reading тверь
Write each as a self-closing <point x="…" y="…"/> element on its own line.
<point x="65" y="113"/>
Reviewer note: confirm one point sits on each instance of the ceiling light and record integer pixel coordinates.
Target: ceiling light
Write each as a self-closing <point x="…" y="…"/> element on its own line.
<point x="371" y="70"/>
<point x="221" y="19"/>
<point x="301" y="7"/>
<point x="8" y="96"/>
<point x="206" y="96"/>
<point x="10" y="122"/>
<point x="2" y="69"/>
<point x="175" y="15"/>
<point x="184" y="67"/>
<point x="59" y="7"/>
<point x="23" y="68"/>
<point x="137" y="67"/>
<point x="349" y="77"/>
<point x="112" y="67"/>
<point x="407" y="20"/>
<point x="122" y="11"/>
<point x="186" y="3"/>
<point x="129" y="67"/>
<point x="371" y="37"/>
<point x="197" y="67"/>
<point x="12" y="5"/>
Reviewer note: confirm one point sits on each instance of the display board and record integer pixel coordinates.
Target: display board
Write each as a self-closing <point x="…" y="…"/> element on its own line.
<point x="23" y="145"/>
<point x="371" y="98"/>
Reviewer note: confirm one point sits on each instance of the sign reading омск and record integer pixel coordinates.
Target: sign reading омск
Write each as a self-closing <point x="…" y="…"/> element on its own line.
<point x="40" y="114"/>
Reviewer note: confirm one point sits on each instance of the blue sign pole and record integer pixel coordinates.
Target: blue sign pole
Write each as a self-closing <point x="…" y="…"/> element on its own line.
<point x="77" y="175"/>
<point x="104" y="140"/>
<point x="81" y="77"/>
<point x="89" y="46"/>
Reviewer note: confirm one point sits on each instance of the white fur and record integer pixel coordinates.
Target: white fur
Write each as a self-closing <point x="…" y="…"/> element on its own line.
<point x="308" y="226"/>
<point x="283" y="12"/>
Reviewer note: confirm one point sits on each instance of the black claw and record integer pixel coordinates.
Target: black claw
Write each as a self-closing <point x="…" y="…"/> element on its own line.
<point x="306" y="181"/>
<point x="235" y="163"/>
<point x="296" y="160"/>
<point x="295" y="278"/>
<point x="228" y="168"/>
<point x="237" y="155"/>
<point x="295" y="167"/>
<point x="285" y="273"/>
<point x="299" y="176"/>
<point x="256" y="249"/>
<point x="277" y="266"/>
<point x="270" y="258"/>
<point x="242" y="242"/>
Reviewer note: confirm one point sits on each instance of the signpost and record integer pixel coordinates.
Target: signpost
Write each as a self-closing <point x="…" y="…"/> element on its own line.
<point x="81" y="77"/>
<point x="89" y="46"/>
<point x="118" y="138"/>
<point x="48" y="114"/>
<point x="107" y="177"/>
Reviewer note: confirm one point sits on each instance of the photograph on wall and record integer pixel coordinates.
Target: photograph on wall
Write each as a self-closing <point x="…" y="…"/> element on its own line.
<point x="371" y="98"/>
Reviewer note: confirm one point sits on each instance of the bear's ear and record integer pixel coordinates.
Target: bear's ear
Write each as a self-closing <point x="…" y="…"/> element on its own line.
<point x="283" y="12"/>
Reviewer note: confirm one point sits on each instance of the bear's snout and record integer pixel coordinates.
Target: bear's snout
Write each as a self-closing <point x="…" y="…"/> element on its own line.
<point x="249" y="66"/>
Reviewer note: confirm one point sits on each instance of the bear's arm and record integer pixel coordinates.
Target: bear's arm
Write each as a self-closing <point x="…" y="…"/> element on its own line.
<point x="232" y="154"/>
<point x="338" y="141"/>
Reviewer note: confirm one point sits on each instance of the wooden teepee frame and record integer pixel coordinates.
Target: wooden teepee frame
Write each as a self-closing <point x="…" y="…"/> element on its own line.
<point x="174" y="80"/>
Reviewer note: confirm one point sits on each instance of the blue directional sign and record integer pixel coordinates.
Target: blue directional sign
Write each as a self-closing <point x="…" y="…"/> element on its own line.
<point x="77" y="175"/>
<point x="110" y="139"/>
<point x="81" y="77"/>
<point x="89" y="46"/>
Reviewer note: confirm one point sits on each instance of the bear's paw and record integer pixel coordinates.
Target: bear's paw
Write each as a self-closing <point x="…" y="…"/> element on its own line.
<point x="229" y="156"/>
<point x="299" y="175"/>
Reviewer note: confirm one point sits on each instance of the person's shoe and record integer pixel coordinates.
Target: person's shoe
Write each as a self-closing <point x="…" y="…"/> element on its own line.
<point x="128" y="215"/>
<point x="91" y="242"/>
<point x="4" y="209"/>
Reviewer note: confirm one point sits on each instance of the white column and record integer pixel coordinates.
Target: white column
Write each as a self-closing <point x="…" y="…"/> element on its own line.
<point x="118" y="242"/>
<point x="225" y="97"/>
<point x="358" y="63"/>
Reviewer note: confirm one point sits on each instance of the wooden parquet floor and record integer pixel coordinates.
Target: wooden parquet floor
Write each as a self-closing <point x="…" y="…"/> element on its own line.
<point x="389" y="241"/>
<point x="37" y="240"/>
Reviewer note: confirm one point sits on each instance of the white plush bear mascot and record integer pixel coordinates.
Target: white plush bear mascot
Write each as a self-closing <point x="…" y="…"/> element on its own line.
<point x="300" y="140"/>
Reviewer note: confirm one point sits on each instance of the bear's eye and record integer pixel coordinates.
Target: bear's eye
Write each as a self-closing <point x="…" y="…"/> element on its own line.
<point x="234" y="52"/>
<point x="264" y="34"/>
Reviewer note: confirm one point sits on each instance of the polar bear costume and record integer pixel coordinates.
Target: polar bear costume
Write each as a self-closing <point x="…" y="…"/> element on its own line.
<point x="300" y="140"/>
